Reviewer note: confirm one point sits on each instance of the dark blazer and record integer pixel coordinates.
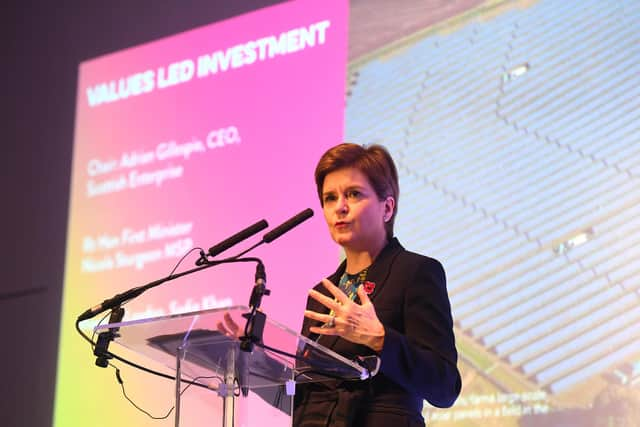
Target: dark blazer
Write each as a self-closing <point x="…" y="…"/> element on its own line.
<point x="418" y="359"/>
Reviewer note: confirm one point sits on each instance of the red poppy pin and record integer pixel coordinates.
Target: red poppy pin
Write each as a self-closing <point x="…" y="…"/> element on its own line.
<point x="368" y="287"/>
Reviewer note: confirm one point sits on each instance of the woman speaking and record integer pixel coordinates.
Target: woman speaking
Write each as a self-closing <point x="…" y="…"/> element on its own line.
<point x="382" y="301"/>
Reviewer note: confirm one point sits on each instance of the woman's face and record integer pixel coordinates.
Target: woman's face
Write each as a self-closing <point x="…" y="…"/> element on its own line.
<point x="353" y="212"/>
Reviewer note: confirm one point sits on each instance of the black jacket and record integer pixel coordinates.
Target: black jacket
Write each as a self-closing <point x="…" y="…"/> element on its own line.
<point x="418" y="359"/>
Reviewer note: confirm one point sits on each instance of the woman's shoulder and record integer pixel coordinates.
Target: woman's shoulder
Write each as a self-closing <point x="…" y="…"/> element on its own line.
<point x="417" y="260"/>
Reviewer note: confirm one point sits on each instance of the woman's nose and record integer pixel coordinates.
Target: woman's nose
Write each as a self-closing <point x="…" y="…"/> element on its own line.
<point x="342" y="205"/>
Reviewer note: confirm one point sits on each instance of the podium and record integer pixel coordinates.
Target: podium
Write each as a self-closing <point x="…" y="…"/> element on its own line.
<point x="206" y="347"/>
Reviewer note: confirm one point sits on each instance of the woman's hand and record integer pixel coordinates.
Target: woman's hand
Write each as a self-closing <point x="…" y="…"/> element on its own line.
<point x="354" y="322"/>
<point x="230" y="328"/>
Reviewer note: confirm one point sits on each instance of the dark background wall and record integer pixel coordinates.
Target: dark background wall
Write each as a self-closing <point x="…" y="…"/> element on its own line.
<point x="43" y="45"/>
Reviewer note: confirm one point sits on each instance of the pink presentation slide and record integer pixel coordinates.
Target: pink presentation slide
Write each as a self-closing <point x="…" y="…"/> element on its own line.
<point x="181" y="143"/>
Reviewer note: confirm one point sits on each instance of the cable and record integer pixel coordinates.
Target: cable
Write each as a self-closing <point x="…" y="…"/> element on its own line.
<point x="190" y="383"/>
<point x="132" y="364"/>
<point x="93" y="336"/>
<point x="237" y="383"/>
<point x="183" y="257"/>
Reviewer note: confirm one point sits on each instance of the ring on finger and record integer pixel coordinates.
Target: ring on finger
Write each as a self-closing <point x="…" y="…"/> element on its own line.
<point x="332" y="322"/>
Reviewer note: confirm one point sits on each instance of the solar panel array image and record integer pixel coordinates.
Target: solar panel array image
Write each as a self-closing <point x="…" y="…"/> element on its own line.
<point x="517" y="137"/>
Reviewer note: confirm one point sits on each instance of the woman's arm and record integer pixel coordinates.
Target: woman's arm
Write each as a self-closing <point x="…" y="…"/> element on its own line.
<point x="423" y="359"/>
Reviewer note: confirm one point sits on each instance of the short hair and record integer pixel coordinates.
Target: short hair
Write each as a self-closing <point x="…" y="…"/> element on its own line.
<point x="374" y="161"/>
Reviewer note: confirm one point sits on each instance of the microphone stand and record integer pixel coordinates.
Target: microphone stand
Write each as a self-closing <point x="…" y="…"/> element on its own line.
<point x="254" y="328"/>
<point x="101" y="349"/>
<point x="256" y="320"/>
<point x="203" y="263"/>
<point x="132" y="293"/>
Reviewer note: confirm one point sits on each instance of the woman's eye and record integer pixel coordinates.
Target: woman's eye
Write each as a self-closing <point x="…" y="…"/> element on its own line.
<point x="329" y="198"/>
<point x="353" y="194"/>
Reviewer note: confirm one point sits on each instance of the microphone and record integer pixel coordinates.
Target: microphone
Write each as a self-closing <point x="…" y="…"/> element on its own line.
<point x="237" y="238"/>
<point x="287" y="225"/>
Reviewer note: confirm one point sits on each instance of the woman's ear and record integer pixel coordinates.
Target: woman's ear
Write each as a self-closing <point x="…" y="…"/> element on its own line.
<point x="389" y="208"/>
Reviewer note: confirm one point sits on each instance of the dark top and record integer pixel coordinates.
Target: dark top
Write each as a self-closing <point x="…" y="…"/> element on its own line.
<point x="418" y="359"/>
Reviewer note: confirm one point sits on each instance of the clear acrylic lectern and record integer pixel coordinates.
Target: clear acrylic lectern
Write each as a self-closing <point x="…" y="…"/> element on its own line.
<point x="204" y="347"/>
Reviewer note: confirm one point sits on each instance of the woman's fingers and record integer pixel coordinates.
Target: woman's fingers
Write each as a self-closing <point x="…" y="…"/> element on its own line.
<point x="231" y="324"/>
<point x="323" y="331"/>
<point x="354" y="322"/>
<point x="335" y="291"/>
<point x="364" y="298"/>
<point x="326" y="318"/>
<point x="330" y="303"/>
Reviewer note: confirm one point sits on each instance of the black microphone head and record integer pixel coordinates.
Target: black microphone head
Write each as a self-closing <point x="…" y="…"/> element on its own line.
<point x="287" y="225"/>
<point x="238" y="237"/>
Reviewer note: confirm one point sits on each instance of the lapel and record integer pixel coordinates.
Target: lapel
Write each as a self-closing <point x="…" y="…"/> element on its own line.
<point x="381" y="268"/>
<point x="378" y="273"/>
